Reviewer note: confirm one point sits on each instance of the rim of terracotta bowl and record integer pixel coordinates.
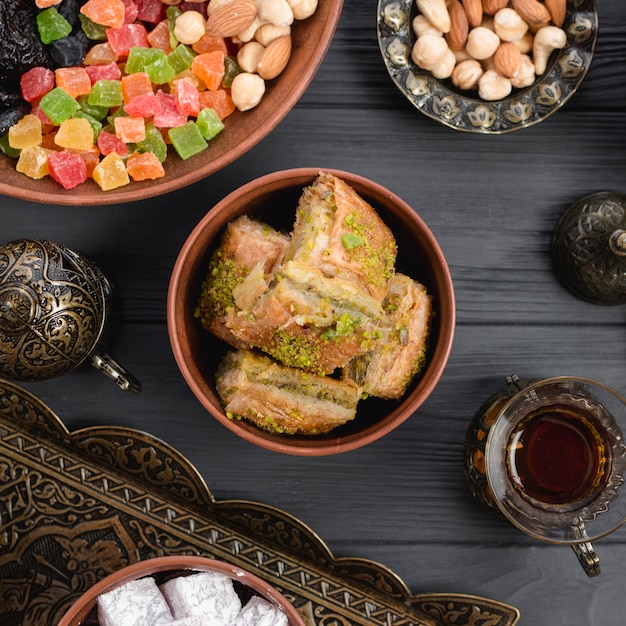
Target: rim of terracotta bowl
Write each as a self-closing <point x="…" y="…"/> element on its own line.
<point x="289" y="87"/>
<point x="80" y="610"/>
<point x="190" y="267"/>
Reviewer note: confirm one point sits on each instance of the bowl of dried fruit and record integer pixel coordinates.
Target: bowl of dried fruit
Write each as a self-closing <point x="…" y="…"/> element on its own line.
<point x="182" y="591"/>
<point x="316" y="329"/>
<point x="111" y="101"/>
<point x="487" y="66"/>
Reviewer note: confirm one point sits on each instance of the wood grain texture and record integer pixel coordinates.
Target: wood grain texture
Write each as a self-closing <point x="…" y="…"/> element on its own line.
<point x="492" y="201"/>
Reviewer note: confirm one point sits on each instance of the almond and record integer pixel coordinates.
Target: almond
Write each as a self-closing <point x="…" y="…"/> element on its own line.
<point x="474" y="12"/>
<point x="507" y="59"/>
<point x="275" y="57"/>
<point x="557" y="10"/>
<point x="491" y="7"/>
<point x="231" y="19"/>
<point x="459" y="26"/>
<point x="533" y="12"/>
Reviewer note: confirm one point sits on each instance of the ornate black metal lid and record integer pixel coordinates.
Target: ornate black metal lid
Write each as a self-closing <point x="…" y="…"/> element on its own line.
<point x="55" y="313"/>
<point x="589" y="248"/>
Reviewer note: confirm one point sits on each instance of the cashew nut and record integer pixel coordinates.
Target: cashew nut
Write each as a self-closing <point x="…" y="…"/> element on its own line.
<point x="421" y="26"/>
<point x="302" y="8"/>
<point x="249" y="55"/>
<point x="436" y="12"/>
<point x="526" y="75"/>
<point x="268" y="32"/>
<point x="547" y="39"/>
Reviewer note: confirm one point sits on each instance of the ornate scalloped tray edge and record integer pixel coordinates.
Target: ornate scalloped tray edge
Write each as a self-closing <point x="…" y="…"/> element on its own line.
<point x="75" y="507"/>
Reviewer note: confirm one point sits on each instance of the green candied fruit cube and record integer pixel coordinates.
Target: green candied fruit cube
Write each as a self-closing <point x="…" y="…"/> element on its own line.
<point x="97" y="112"/>
<point x="58" y="105"/>
<point x="95" y="124"/>
<point x="117" y="113"/>
<point x="139" y="58"/>
<point x="52" y="25"/>
<point x="172" y="13"/>
<point x="209" y="123"/>
<point x="106" y="93"/>
<point x="153" y="142"/>
<point x="5" y="148"/>
<point x="160" y="71"/>
<point x="93" y="31"/>
<point x="181" y="57"/>
<point x="187" y="140"/>
<point x="231" y="69"/>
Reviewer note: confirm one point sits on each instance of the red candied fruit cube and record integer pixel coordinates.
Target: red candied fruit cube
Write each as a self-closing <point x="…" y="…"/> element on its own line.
<point x="169" y="116"/>
<point x="150" y="10"/>
<point x="45" y="120"/>
<point x="36" y="82"/>
<point x="131" y="11"/>
<point x="125" y="37"/>
<point x="105" y="71"/>
<point x="144" y="105"/>
<point x="159" y="37"/>
<point x="67" y="168"/>
<point x="108" y="142"/>
<point x="187" y="98"/>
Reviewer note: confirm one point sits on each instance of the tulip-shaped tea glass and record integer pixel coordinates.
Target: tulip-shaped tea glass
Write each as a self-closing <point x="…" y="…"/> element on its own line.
<point x="549" y="457"/>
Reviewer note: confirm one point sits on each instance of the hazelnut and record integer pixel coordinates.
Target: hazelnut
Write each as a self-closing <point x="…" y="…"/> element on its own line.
<point x="466" y="74"/>
<point x="482" y="43"/>
<point x="429" y="51"/>
<point x="492" y="86"/>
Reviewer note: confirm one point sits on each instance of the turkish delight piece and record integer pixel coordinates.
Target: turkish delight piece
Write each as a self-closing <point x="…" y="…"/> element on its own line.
<point x="135" y="603"/>
<point x="209" y="595"/>
<point x="260" y="612"/>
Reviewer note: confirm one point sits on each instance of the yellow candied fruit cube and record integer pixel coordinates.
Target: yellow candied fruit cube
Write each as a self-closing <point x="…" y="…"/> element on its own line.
<point x="75" y="133"/>
<point x="33" y="162"/>
<point x="111" y="172"/>
<point x="26" y="133"/>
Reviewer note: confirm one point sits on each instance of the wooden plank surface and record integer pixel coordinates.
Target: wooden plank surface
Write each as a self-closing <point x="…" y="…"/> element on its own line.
<point x="492" y="202"/>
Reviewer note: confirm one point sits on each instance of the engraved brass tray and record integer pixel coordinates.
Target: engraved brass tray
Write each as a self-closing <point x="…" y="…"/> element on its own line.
<point x="74" y="507"/>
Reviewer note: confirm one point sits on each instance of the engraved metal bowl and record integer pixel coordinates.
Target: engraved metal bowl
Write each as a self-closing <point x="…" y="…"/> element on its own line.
<point x="464" y="110"/>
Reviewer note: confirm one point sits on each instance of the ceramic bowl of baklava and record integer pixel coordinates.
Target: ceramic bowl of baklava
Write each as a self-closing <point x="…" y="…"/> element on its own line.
<point x="311" y="311"/>
<point x="182" y="591"/>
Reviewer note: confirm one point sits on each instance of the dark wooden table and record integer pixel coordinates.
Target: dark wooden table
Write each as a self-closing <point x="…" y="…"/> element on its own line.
<point x="492" y="201"/>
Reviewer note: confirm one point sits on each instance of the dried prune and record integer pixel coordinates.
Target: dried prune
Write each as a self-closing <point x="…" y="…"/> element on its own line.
<point x="12" y="108"/>
<point x="20" y="46"/>
<point x="69" y="51"/>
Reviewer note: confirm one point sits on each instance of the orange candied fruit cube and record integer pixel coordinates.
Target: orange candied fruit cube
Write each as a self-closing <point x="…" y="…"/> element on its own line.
<point x="130" y="129"/>
<point x="135" y="85"/>
<point x="209" y="68"/>
<point x="144" y="166"/>
<point x="105" y="12"/>
<point x="91" y="158"/>
<point x="219" y="100"/>
<point x="159" y="37"/>
<point x="74" y="80"/>
<point x="209" y="43"/>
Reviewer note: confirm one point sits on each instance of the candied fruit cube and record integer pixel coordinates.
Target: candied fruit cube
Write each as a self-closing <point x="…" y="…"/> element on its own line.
<point x="143" y="105"/>
<point x="33" y="162"/>
<point x="100" y="53"/>
<point x="91" y="158"/>
<point x="67" y="168"/>
<point x="108" y="143"/>
<point x="159" y="37"/>
<point x="105" y="12"/>
<point x="75" y="133"/>
<point x="106" y="93"/>
<point x="139" y="58"/>
<point x="52" y="25"/>
<point x="209" y="123"/>
<point x="218" y="100"/>
<point x="187" y="140"/>
<point x="134" y="85"/>
<point x="36" y="82"/>
<point x="44" y="4"/>
<point x="5" y="148"/>
<point x="75" y="80"/>
<point x="111" y="172"/>
<point x="130" y="129"/>
<point x="144" y="166"/>
<point x="181" y="58"/>
<point x="191" y="77"/>
<point x="149" y="10"/>
<point x="210" y="43"/>
<point x="58" y="105"/>
<point x="231" y="69"/>
<point x="128" y="36"/>
<point x="187" y="98"/>
<point x="169" y="116"/>
<point x="93" y="31"/>
<point x="131" y="11"/>
<point x="153" y="143"/>
<point x="103" y="71"/>
<point x="209" y="68"/>
<point x="95" y="112"/>
<point x="160" y="71"/>
<point x="26" y="133"/>
<point x="172" y="13"/>
<point x="96" y="125"/>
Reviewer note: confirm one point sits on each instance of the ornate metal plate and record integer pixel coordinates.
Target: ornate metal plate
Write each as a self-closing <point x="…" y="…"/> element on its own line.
<point x="464" y="111"/>
<point x="75" y="507"/>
